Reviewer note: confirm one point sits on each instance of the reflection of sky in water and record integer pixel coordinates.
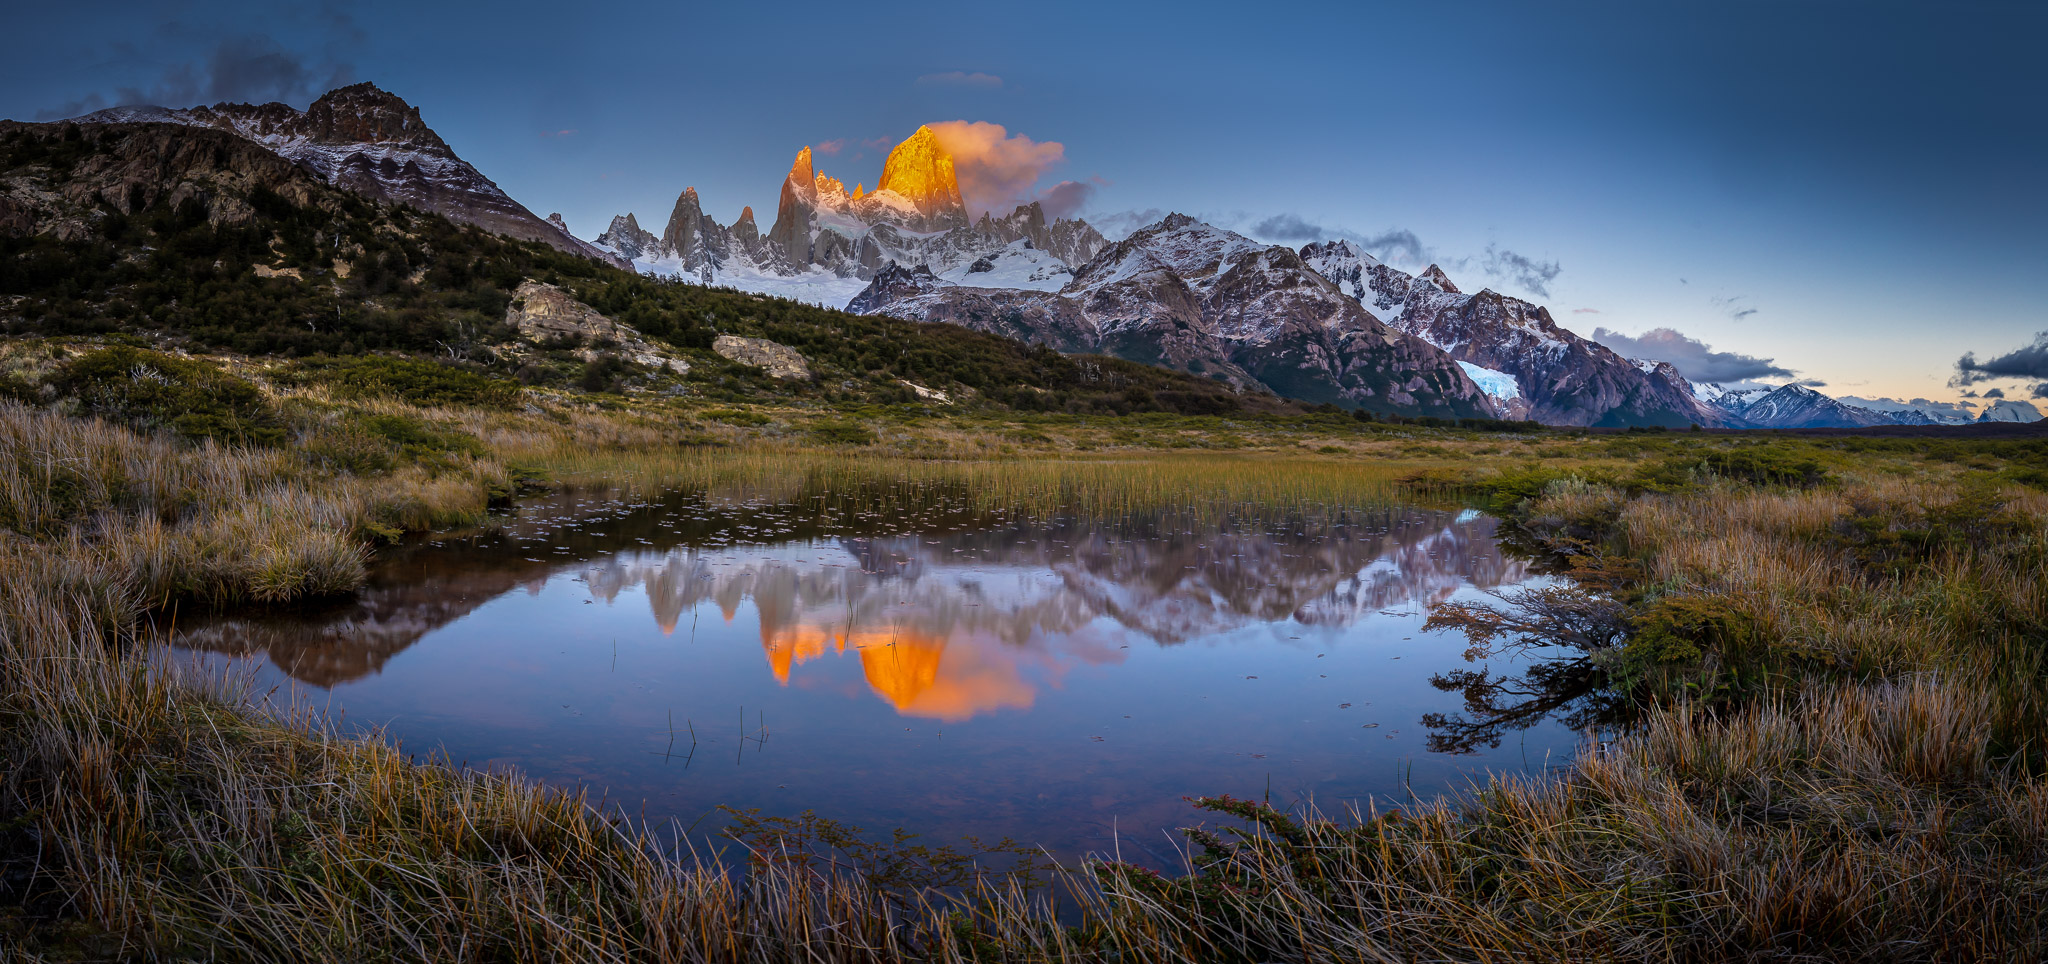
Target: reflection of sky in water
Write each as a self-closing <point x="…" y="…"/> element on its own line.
<point x="1045" y="681"/>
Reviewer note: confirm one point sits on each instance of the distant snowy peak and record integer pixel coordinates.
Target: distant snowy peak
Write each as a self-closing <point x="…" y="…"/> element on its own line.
<point x="2010" y="410"/>
<point x="369" y="141"/>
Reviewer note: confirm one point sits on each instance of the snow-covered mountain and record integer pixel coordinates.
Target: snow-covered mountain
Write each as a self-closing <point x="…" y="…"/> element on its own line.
<point x="2010" y="410"/>
<point x="1560" y="378"/>
<point x="371" y="142"/>
<point x="827" y="242"/>
<point x="1797" y="406"/>
<point x="1187" y="295"/>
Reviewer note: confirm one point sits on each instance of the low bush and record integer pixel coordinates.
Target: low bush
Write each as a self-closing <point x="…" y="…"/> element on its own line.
<point x="408" y="379"/>
<point x="151" y="390"/>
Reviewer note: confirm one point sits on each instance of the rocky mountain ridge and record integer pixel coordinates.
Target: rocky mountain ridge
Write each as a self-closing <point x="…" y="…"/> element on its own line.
<point x="1186" y="295"/>
<point x="371" y="142"/>
<point x="1561" y="378"/>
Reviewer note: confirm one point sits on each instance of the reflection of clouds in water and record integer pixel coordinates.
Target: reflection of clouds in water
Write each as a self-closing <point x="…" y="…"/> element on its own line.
<point x="952" y="627"/>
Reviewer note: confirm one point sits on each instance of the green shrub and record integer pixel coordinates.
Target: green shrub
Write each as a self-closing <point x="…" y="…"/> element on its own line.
<point x="409" y="379"/>
<point x="735" y="416"/>
<point x="843" y="433"/>
<point x="1753" y="466"/>
<point x="152" y="390"/>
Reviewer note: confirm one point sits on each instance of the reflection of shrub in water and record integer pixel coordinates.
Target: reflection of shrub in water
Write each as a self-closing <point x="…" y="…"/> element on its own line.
<point x="1578" y="617"/>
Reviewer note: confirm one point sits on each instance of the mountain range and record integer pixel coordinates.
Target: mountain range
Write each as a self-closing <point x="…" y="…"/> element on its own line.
<point x="826" y="242"/>
<point x="1326" y="323"/>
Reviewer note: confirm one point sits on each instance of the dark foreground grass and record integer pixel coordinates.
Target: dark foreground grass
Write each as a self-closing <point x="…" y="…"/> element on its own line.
<point x="1834" y="651"/>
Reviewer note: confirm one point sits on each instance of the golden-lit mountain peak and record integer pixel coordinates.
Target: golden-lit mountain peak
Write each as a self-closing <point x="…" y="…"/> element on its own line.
<point x="921" y="171"/>
<point x="860" y="191"/>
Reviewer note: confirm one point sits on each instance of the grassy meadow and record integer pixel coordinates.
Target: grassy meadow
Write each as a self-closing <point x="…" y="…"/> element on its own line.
<point x="1831" y="657"/>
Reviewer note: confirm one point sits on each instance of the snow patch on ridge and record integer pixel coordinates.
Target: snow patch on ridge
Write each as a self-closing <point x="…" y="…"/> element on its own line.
<point x="1500" y="385"/>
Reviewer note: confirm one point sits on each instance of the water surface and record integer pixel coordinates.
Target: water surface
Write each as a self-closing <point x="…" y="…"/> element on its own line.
<point x="904" y="660"/>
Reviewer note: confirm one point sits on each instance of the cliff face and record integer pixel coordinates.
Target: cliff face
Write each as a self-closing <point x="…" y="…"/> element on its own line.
<point x="132" y="167"/>
<point x="1185" y="295"/>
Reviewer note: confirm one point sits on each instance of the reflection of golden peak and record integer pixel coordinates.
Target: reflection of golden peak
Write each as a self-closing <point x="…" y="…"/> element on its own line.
<point x="903" y="669"/>
<point x="911" y="670"/>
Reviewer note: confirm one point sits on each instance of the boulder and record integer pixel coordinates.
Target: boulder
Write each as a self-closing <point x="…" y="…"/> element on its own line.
<point x="781" y="361"/>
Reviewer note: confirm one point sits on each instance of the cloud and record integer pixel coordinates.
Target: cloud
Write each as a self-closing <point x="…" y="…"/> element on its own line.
<point x="1995" y="393"/>
<point x="1693" y="358"/>
<point x="1811" y="383"/>
<point x="565" y="132"/>
<point x="997" y="170"/>
<point x="832" y="146"/>
<point x="1118" y="225"/>
<point x="249" y="67"/>
<point x="1065" y="199"/>
<point x="1396" y="245"/>
<point x="2040" y="390"/>
<point x="1732" y="305"/>
<point x="1586" y="311"/>
<point x="2028" y="362"/>
<point x="1534" y="276"/>
<point x="956" y="78"/>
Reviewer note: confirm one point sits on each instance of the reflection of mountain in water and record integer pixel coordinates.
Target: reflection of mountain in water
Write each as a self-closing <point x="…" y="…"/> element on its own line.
<point x="945" y="625"/>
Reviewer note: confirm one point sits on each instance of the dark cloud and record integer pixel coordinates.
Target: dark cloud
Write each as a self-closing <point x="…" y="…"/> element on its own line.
<point x="1811" y="383"/>
<point x="251" y="68"/>
<point x="1732" y="304"/>
<point x="1292" y="227"/>
<point x="2028" y="362"/>
<point x="1395" y="245"/>
<point x="2040" y="390"/>
<point x="1995" y="393"/>
<point x="1534" y="276"/>
<point x="1065" y="199"/>
<point x="1692" y="357"/>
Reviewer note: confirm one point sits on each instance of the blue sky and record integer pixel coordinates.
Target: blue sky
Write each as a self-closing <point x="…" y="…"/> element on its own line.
<point x="1853" y="190"/>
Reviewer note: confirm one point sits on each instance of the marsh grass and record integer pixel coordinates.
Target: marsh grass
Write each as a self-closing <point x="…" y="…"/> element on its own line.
<point x="1847" y="765"/>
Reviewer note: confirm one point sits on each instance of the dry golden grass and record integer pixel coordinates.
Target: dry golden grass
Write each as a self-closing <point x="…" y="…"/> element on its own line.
<point x="1860" y="781"/>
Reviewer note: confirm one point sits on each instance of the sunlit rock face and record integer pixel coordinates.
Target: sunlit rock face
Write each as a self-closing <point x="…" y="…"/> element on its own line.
<point x="921" y="172"/>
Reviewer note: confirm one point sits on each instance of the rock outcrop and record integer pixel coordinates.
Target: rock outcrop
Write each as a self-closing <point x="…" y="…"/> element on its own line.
<point x="545" y="315"/>
<point x="781" y="361"/>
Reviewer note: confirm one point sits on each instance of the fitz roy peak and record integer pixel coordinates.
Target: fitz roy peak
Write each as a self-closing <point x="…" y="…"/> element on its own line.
<point x="826" y="242"/>
<point x="371" y="142"/>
